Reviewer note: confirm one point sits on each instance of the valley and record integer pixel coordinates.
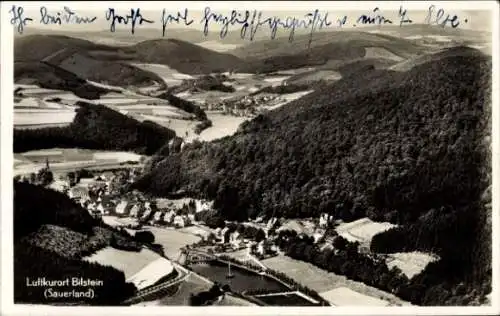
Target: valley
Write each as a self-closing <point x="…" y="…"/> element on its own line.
<point x="192" y="171"/>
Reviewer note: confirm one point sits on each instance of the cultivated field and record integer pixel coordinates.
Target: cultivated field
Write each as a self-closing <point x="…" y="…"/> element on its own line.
<point x="410" y="263"/>
<point x="301" y="226"/>
<point x="362" y="230"/>
<point x="67" y="159"/>
<point x="132" y="263"/>
<point x="324" y="281"/>
<point x="151" y="273"/>
<point x="172" y="240"/>
<point x="344" y="296"/>
<point x="170" y="76"/>
<point x="222" y="125"/>
<point x="218" y="46"/>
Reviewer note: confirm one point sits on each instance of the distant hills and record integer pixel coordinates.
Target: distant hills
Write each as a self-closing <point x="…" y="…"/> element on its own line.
<point x="389" y="145"/>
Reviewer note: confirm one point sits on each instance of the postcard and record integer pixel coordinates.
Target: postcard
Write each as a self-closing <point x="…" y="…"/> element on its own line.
<point x="250" y="158"/>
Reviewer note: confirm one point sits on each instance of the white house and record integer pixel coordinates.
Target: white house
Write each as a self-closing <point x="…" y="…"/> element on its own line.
<point x="135" y="211"/>
<point x="169" y="217"/>
<point x="203" y="205"/>
<point x="146" y="214"/>
<point x="79" y="194"/>
<point x="157" y="216"/>
<point x="225" y="235"/>
<point x="179" y="221"/>
<point x="121" y="207"/>
<point x="236" y="240"/>
<point x="323" y="220"/>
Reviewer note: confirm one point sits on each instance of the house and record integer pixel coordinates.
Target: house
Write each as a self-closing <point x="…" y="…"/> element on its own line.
<point x="190" y="218"/>
<point x="121" y="207"/>
<point x="79" y="194"/>
<point x="203" y="205"/>
<point x="59" y="185"/>
<point x="225" y="234"/>
<point x="157" y="217"/>
<point x="169" y="217"/>
<point x="271" y="222"/>
<point x="261" y="248"/>
<point x="217" y="232"/>
<point x="179" y="221"/>
<point x="136" y="211"/>
<point x="323" y="220"/>
<point x="146" y="215"/>
<point x="96" y="214"/>
<point x="236" y="240"/>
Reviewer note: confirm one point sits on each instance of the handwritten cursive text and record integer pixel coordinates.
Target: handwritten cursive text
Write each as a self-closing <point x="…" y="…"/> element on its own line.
<point x="376" y="19"/>
<point x="18" y="18"/>
<point x="134" y="17"/>
<point x="67" y="16"/>
<point x="438" y="18"/>
<point x="168" y="18"/>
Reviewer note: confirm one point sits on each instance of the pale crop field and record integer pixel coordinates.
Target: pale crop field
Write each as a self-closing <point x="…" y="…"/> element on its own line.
<point x="324" y="281"/>
<point x="151" y="273"/>
<point x="172" y="240"/>
<point x="362" y="230"/>
<point x="222" y="125"/>
<point x="127" y="261"/>
<point x="39" y="117"/>
<point x="344" y="296"/>
<point x="410" y="263"/>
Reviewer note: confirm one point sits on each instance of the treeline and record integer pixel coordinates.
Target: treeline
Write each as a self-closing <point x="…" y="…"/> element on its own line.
<point x="283" y="89"/>
<point x="432" y="287"/>
<point x="49" y="76"/>
<point x="35" y="206"/>
<point x="97" y="127"/>
<point x="184" y="105"/>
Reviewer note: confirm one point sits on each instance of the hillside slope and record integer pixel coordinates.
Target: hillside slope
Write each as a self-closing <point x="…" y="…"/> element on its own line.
<point x="97" y="127"/>
<point x="182" y="56"/>
<point x="394" y="146"/>
<point x="51" y="233"/>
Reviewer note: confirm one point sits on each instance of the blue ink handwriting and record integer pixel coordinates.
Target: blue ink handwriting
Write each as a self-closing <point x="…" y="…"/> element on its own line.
<point x="166" y="19"/>
<point x="18" y="18"/>
<point x="377" y="19"/>
<point x="439" y="18"/>
<point x="134" y="17"/>
<point x="403" y="17"/>
<point x="68" y="16"/>
<point x="252" y="21"/>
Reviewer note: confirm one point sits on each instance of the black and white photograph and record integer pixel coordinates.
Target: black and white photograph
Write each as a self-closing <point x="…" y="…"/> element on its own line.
<point x="266" y="154"/>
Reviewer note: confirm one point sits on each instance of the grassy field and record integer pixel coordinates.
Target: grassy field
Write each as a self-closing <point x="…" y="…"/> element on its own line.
<point x="128" y="262"/>
<point x="222" y="125"/>
<point x="67" y="159"/>
<point x="151" y="273"/>
<point x="172" y="240"/>
<point x="344" y="296"/>
<point x="323" y="281"/>
<point x="410" y="263"/>
<point x="362" y="230"/>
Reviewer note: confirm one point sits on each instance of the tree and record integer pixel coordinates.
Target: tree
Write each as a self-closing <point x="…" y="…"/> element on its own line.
<point x="145" y="237"/>
<point x="45" y="177"/>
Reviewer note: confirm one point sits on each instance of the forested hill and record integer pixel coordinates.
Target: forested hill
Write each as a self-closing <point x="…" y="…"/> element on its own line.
<point x="51" y="235"/>
<point x="385" y="144"/>
<point x="412" y="148"/>
<point x="97" y="127"/>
